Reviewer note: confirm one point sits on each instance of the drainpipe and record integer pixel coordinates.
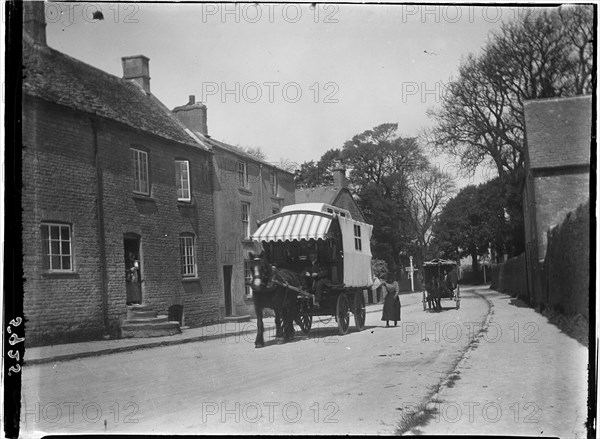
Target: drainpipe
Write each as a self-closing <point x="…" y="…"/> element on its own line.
<point x="101" y="235"/>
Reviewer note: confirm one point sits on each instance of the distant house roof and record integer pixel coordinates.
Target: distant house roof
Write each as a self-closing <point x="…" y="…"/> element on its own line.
<point x="558" y="131"/>
<point x="59" y="78"/>
<point x="326" y="194"/>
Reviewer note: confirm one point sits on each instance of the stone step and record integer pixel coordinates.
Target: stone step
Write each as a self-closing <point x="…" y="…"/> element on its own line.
<point x="144" y="330"/>
<point x="138" y="320"/>
<point x="138" y="307"/>
<point x="141" y="314"/>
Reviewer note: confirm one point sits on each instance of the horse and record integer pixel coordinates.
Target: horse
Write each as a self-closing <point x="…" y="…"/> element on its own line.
<point x="436" y="294"/>
<point x="269" y="291"/>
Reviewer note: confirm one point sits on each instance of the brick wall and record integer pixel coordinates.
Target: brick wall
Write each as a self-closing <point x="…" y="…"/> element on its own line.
<point x="60" y="185"/>
<point x="232" y="249"/>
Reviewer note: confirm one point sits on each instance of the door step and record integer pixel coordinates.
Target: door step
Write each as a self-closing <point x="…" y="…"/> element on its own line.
<point x="143" y="322"/>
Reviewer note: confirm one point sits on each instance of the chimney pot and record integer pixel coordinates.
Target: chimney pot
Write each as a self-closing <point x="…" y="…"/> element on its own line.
<point x="34" y="20"/>
<point x="339" y="178"/>
<point x="137" y="68"/>
<point x="192" y="115"/>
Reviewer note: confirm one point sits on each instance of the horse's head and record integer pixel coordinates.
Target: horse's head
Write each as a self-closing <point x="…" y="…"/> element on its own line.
<point x="262" y="272"/>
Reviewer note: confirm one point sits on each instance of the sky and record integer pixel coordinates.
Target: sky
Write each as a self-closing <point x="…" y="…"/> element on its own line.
<point x="293" y="79"/>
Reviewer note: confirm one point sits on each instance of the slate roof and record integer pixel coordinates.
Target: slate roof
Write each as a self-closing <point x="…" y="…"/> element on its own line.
<point x="325" y="194"/>
<point x="559" y="131"/>
<point x="59" y="78"/>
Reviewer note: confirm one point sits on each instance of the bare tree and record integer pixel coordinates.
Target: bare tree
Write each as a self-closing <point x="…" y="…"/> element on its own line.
<point x="430" y="191"/>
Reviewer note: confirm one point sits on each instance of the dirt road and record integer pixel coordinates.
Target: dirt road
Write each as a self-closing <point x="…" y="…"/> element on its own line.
<point x="322" y="383"/>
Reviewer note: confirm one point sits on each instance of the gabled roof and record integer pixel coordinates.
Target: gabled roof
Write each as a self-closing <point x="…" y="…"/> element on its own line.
<point x="53" y="76"/>
<point x="558" y="131"/>
<point x="325" y="194"/>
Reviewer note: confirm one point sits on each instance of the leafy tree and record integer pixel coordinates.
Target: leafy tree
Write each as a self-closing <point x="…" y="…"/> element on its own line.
<point x="311" y="174"/>
<point x="471" y="221"/>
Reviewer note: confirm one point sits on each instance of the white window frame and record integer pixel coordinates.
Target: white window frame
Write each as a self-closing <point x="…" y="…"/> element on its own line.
<point x="242" y="174"/>
<point x="357" y="238"/>
<point x="187" y="254"/>
<point x="245" y="212"/>
<point x="141" y="175"/>
<point x="182" y="175"/>
<point x="49" y="253"/>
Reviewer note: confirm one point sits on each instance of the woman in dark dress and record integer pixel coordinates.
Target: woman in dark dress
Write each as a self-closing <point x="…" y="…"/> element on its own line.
<point x="391" y="304"/>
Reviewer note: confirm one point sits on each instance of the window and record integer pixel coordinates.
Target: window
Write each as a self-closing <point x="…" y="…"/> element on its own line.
<point x="182" y="175"/>
<point x="246" y="219"/>
<point x="273" y="181"/>
<point x="248" y="277"/>
<point x="337" y="212"/>
<point x="357" y="240"/>
<point x="141" y="183"/>
<point x="242" y="174"/>
<point x="188" y="257"/>
<point x="56" y="247"/>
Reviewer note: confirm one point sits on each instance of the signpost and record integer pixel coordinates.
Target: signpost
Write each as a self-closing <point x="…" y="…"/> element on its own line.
<point x="410" y="270"/>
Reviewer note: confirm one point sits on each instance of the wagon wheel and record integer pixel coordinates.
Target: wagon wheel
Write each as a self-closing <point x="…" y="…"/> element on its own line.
<point x="343" y="313"/>
<point x="305" y="323"/>
<point x="360" y="312"/>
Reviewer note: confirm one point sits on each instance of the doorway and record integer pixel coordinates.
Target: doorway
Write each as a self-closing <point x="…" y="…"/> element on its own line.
<point x="227" y="270"/>
<point x="133" y="269"/>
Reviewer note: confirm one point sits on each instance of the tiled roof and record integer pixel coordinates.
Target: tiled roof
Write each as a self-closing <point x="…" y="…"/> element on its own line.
<point x="559" y="131"/>
<point x="242" y="154"/>
<point x="326" y="194"/>
<point x="59" y="78"/>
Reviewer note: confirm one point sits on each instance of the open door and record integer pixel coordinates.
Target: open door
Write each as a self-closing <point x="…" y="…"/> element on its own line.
<point x="133" y="269"/>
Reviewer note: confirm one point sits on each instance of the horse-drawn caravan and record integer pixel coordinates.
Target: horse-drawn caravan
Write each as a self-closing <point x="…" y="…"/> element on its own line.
<point x="280" y="277"/>
<point x="441" y="282"/>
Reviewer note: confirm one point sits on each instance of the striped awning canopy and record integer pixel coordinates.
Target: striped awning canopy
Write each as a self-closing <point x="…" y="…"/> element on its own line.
<point x="294" y="226"/>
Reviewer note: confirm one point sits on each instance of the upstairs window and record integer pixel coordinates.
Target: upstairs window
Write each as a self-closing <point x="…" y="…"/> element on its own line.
<point x="188" y="256"/>
<point x="242" y="174"/>
<point x="357" y="238"/>
<point x="246" y="220"/>
<point x="273" y="181"/>
<point x="56" y="247"/>
<point x="141" y="183"/>
<point x="182" y="176"/>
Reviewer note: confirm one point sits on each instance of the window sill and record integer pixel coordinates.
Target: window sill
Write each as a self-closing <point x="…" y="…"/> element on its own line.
<point x="276" y="198"/>
<point x="183" y="203"/>
<point x="143" y="197"/>
<point x="245" y="191"/>
<point x="60" y="275"/>
<point x="190" y="279"/>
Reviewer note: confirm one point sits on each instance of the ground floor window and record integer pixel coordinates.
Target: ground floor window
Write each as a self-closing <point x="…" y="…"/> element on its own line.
<point x="188" y="257"/>
<point x="57" y="252"/>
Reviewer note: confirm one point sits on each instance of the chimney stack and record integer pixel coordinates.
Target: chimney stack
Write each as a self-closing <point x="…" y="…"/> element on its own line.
<point x="339" y="178"/>
<point x="193" y="115"/>
<point x="34" y="21"/>
<point x="137" y="68"/>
